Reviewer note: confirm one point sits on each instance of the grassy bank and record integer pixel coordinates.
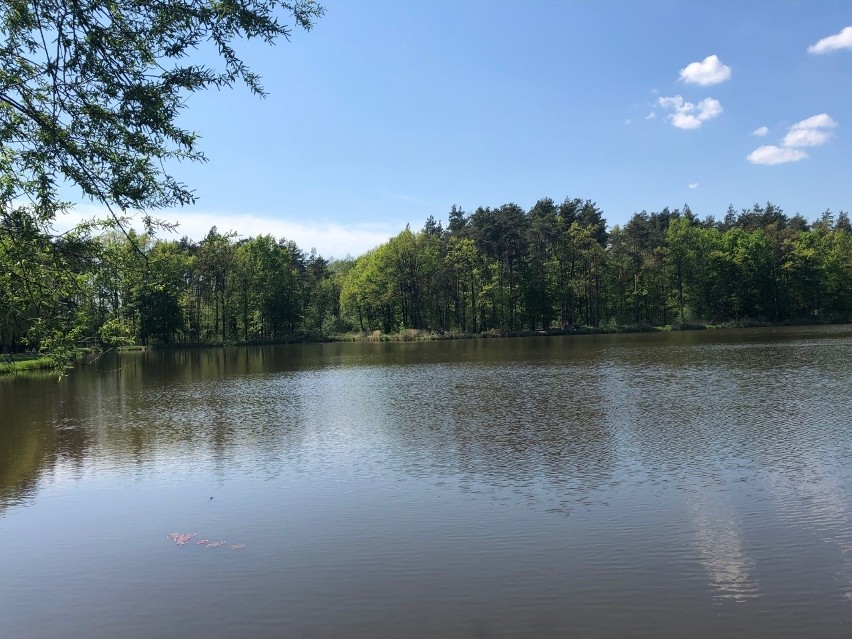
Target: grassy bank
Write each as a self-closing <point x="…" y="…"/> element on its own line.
<point x="34" y="363"/>
<point x="39" y="363"/>
<point x="28" y="362"/>
<point x="25" y="363"/>
<point x="413" y="335"/>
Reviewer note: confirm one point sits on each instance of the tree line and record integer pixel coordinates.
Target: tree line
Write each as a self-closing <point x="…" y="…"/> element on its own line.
<point x="91" y="97"/>
<point x="502" y="270"/>
<point x="556" y="265"/>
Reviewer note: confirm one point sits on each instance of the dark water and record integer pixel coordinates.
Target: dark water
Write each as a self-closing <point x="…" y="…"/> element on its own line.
<point x="666" y="485"/>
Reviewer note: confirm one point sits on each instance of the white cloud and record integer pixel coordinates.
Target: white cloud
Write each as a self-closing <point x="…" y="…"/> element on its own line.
<point x="806" y="137"/>
<point x="709" y="108"/>
<point x="760" y="132"/>
<point x="842" y="40"/>
<point x="688" y="115"/>
<point x="331" y="239"/>
<point x="816" y="121"/>
<point x="707" y="72"/>
<point x="628" y="121"/>
<point x="651" y="116"/>
<point x="693" y="185"/>
<point x="771" y="154"/>
<point x="814" y="131"/>
<point x="671" y="102"/>
<point x="684" y="121"/>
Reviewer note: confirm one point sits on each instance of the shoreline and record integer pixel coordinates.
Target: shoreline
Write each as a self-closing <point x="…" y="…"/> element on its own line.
<point x="425" y="335"/>
<point x="23" y="363"/>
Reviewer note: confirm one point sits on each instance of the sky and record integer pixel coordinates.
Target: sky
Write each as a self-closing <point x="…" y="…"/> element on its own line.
<point x="388" y="112"/>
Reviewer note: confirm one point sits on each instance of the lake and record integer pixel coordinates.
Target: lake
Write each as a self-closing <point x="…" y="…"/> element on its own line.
<point x="649" y="485"/>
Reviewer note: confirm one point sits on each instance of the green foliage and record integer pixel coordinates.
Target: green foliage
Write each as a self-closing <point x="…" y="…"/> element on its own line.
<point x="91" y="92"/>
<point x="91" y="96"/>
<point x="503" y="272"/>
<point x="115" y="333"/>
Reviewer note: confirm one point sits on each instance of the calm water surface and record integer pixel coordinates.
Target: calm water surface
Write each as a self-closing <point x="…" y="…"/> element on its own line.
<point x="662" y="485"/>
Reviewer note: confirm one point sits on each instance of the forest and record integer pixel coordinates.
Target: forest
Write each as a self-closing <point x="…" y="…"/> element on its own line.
<point x="498" y="270"/>
<point x="91" y="97"/>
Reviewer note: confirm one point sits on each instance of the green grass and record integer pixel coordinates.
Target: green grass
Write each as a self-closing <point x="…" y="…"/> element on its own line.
<point x="25" y="363"/>
<point x="38" y="363"/>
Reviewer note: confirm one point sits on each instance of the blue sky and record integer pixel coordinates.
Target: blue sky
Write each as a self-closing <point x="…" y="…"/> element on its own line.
<point x="388" y="112"/>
